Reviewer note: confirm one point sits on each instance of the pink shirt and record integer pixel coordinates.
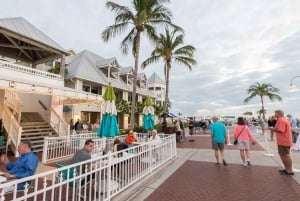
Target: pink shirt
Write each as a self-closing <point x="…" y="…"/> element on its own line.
<point x="245" y="134"/>
<point x="284" y="136"/>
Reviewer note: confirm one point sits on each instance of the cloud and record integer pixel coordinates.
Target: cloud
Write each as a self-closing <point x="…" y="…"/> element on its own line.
<point x="238" y="43"/>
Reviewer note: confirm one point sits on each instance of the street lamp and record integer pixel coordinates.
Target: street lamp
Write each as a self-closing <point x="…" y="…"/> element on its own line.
<point x="292" y="87"/>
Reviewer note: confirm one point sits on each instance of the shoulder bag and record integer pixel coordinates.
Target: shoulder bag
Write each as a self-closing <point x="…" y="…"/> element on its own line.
<point x="236" y="140"/>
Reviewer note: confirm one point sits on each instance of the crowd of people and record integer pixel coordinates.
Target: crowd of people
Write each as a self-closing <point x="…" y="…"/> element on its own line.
<point x="79" y="127"/>
<point x="278" y="125"/>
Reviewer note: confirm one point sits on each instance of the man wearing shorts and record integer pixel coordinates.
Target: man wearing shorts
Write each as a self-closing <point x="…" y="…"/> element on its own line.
<point x="284" y="141"/>
<point x="218" y="134"/>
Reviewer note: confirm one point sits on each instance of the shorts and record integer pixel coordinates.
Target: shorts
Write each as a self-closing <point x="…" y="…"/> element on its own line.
<point x="283" y="150"/>
<point x="243" y="144"/>
<point x="217" y="146"/>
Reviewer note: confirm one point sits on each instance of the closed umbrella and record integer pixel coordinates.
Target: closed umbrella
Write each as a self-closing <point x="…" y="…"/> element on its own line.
<point x="109" y="126"/>
<point x="148" y="114"/>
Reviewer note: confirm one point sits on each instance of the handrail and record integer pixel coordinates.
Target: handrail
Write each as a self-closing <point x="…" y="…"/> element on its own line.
<point x="59" y="124"/>
<point x="12" y="100"/>
<point x="43" y="105"/>
<point x="32" y="71"/>
<point x="13" y="129"/>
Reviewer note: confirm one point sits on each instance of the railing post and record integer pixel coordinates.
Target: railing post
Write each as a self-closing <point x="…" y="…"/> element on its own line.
<point x="45" y="148"/>
<point x="109" y="177"/>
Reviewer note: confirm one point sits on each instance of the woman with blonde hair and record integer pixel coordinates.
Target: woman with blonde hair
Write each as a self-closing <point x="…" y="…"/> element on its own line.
<point x="155" y="137"/>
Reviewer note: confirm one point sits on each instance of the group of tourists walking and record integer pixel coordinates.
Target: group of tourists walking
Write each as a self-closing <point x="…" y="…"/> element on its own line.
<point x="243" y="137"/>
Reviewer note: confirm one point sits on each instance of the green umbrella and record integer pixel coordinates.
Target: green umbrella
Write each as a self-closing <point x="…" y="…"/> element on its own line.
<point x="148" y="114"/>
<point x="109" y="126"/>
<point x="109" y="93"/>
<point x="148" y="101"/>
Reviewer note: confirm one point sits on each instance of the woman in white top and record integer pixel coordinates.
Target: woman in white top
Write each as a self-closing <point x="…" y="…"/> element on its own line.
<point x="155" y="138"/>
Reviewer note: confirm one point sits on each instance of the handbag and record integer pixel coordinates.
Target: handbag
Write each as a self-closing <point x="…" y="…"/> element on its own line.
<point x="236" y="140"/>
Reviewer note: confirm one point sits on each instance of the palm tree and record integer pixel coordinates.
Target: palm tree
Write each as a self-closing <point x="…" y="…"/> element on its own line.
<point x="169" y="48"/>
<point x="144" y="17"/>
<point x="262" y="112"/>
<point x="248" y="113"/>
<point x="261" y="90"/>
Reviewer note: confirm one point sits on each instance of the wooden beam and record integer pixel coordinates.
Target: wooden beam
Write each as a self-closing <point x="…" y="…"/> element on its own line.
<point x="32" y="41"/>
<point x="43" y="60"/>
<point x="15" y="44"/>
<point x="21" y="47"/>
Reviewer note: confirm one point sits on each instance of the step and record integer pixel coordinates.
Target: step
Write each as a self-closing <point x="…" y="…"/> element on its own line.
<point x="43" y="134"/>
<point x="34" y="124"/>
<point x="38" y="137"/>
<point x="37" y="130"/>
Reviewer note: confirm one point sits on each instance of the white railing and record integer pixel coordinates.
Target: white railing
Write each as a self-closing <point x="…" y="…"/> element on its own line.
<point x="12" y="127"/>
<point x="64" y="147"/>
<point x="12" y="100"/>
<point x="58" y="124"/>
<point x="101" y="178"/>
<point x="28" y="70"/>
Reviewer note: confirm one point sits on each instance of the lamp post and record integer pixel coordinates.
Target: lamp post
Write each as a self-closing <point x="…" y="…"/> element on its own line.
<point x="292" y="87"/>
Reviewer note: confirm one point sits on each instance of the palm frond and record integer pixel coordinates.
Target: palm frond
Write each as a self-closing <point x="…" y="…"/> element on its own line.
<point x="128" y="41"/>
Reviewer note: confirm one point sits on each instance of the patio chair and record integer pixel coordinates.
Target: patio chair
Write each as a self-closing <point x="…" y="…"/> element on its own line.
<point x="65" y="174"/>
<point x="69" y="174"/>
<point x="1" y="144"/>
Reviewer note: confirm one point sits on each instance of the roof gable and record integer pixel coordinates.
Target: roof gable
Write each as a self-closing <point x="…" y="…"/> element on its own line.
<point x="154" y="78"/>
<point x="23" y="27"/>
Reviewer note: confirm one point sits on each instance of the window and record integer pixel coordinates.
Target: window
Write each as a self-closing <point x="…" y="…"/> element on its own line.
<point x="86" y="88"/>
<point x="95" y="90"/>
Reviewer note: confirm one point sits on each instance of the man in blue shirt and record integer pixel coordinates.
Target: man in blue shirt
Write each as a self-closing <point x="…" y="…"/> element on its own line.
<point x="218" y="134"/>
<point x="293" y="122"/>
<point x="24" y="166"/>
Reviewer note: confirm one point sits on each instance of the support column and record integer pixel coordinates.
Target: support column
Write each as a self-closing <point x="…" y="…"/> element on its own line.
<point x="62" y="66"/>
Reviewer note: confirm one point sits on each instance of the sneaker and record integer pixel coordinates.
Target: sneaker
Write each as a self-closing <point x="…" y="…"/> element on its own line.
<point x="248" y="163"/>
<point x="244" y="164"/>
<point x="218" y="164"/>
<point x="224" y="163"/>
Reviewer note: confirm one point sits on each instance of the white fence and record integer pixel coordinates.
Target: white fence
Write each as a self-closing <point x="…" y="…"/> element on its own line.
<point x="100" y="178"/>
<point x="57" y="148"/>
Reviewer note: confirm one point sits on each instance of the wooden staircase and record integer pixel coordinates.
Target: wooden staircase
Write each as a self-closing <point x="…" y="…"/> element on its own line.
<point x="35" y="129"/>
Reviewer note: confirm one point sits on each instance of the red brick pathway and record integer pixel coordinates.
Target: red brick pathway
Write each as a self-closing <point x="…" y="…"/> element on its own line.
<point x="195" y="181"/>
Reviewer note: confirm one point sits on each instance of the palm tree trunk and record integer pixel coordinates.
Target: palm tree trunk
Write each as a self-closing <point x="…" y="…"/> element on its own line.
<point x="135" y="72"/>
<point x="262" y="107"/>
<point x="167" y="74"/>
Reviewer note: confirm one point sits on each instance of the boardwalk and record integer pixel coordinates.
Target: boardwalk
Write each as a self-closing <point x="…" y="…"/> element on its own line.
<point x="194" y="175"/>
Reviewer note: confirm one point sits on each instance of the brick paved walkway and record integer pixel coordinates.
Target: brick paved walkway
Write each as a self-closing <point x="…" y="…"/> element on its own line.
<point x="203" y="181"/>
<point x="194" y="176"/>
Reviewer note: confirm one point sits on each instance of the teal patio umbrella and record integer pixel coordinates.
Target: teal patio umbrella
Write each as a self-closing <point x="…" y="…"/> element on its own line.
<point x="109" y="126"/>
<point x="148" y="114"/>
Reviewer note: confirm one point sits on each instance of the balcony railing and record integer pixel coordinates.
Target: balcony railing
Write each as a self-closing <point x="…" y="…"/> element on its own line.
<point x="28" y="70"/>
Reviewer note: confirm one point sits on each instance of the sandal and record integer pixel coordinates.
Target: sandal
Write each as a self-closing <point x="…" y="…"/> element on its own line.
<point x="289" y="173"/>
<point x="218" y="164"/>
<point x="282" y="171"/>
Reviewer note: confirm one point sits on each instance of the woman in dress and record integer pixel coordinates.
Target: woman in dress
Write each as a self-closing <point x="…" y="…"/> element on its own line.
<point x="243" y="135"/>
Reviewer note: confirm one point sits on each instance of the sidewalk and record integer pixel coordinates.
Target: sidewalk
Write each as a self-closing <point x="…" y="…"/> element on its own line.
<point x="263" y="177"/>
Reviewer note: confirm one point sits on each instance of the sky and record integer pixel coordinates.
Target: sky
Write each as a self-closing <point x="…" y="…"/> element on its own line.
<point x="238" y="43"/>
